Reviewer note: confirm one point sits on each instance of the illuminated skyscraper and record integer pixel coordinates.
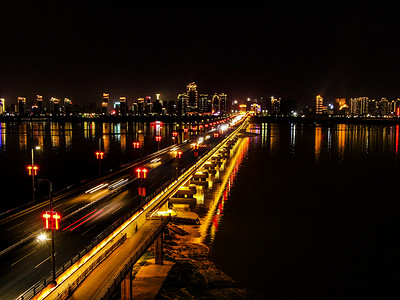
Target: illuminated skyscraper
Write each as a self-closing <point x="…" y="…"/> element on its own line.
<point x="319" y="103"/>
<point x="22" y="106"/>
<point x="67" y="107"/>
<point x="39" y="104"/>
<point x="182" y="104"/>
<point x="104" y="104"/>
<point x="275" y="105"/>
<point x="123" y="105"/>
<point x="193" y="98"/>
<point x="223" y="100"/>
<point x="54" y="106"/>
<point x="215" y="103"/>
<point x="2" y="106"/>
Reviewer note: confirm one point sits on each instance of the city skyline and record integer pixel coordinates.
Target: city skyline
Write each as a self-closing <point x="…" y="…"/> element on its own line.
<point x="246" y="51"/>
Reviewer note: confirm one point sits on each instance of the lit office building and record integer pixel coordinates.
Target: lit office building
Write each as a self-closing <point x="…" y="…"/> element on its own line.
<point x="182" y="104"/>
<point x="54" y="106"/>
<point x="67" y="107"/>
<point x="104" y="104"/>
<point x="2" y="106"/>
<point x="39" y="104"/>
<point x="193" y="97"/>
<point x="123" y="105"/>
<point x="319" y="104"/>
<point x="22" y="106"/>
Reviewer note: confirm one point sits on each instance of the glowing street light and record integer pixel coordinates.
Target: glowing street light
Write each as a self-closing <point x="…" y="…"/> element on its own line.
<point x="141" y="172"/>
<point x="32" y="171"/>
<point x="51" y="220"/>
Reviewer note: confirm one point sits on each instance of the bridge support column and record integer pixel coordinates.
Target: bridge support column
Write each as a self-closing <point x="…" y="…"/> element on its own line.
<point x="158" y="249"/>
<point x="126" y="287"/>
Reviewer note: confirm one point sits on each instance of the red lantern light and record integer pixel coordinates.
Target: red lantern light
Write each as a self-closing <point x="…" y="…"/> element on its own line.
<point x="158" y="138"/>
<point x="136" y="145"/>
<point x="33" y="169"/>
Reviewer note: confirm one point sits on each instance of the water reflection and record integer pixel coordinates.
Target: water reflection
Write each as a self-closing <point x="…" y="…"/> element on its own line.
<point x="216" y="199"/>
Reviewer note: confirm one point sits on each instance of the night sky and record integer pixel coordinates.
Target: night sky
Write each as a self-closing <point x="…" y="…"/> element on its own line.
<point x="281" y="50"/>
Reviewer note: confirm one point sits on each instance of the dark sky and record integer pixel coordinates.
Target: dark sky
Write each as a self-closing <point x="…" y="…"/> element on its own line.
<point x="81" y="51"/>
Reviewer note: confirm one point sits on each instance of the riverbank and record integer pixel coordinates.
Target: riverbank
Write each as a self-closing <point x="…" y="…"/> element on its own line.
<point x="194" y="276"/>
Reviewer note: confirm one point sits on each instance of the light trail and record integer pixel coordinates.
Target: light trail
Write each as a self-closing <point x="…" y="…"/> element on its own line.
<point x="87" y="219"/>
<point x="79" y="220"/>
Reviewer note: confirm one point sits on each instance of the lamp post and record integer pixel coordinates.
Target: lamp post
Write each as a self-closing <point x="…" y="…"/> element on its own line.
<point x="99" y="156"/>
<point x="52" y="218"/>
<point x="141" y="174"/>
<point x="32" y="170"/>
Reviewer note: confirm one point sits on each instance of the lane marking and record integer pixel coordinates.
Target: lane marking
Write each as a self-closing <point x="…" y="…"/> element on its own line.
<point x="15" y="226"/>
<point x="30" y="253"/>
<point x="45" y="260"/>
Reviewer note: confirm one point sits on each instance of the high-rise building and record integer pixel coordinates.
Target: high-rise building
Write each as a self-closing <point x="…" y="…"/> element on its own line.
<point x="193" y="97"/>
<point x="275" y="105"/>
<point x="359" y="106"/>
<point x="2" y="106"/>
<point x="54" y="106"/>
<point x="319" y="103"/>
<point x="104" y="104"/>
<point x="39" y="104"/>
<point x="123" y="105"/>
<point x="223" y="100"/>
<point x="67" y="107"/>
<point x="182" y="104"/>
<point x="204" y="104"/>
<point x="22" y="106"/>
<point x="215" y="103"/>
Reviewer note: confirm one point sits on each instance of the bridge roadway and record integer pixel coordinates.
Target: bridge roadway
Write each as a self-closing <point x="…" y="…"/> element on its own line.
<point x="111" y="271"/>
<point x="24" y="261"/>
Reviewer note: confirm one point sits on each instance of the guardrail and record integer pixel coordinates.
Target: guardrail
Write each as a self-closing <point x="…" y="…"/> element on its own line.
<point x="127" y="266"/>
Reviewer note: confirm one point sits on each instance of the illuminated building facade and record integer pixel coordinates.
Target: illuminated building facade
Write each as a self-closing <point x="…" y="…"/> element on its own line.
<point x="39" y="104"/>
<point x="104" y="104"/>
<point x="123" y="106"/>
<point x="67" y="107"/>
<point x="22" y="106"/>
<point x="54" y="106"/>
<point x="275" y="105"/>
<point x="319" y="105"/>
<point x="2" y="106"/>
<point x="193" y="98"/>
<point x="182" y="104"/>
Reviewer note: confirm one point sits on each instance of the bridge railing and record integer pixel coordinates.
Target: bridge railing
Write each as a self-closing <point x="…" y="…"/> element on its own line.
<point x="127" y="266"/>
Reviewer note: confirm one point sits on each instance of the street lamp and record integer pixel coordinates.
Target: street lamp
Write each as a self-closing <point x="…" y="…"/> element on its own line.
<point x="142" y="174"/>
<point x="99" y="156"/>
<point x="32" y="171"/>
<point x="53" y="225"/>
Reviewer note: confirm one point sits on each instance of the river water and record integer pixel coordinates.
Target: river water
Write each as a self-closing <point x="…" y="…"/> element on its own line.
<point x="312" y="213"/>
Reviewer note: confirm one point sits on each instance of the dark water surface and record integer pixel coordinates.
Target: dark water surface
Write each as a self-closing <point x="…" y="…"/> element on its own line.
<point x="313" y="213"/>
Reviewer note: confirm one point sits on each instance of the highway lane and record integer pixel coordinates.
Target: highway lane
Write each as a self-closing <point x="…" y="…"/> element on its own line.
<point x="29" y="262"/>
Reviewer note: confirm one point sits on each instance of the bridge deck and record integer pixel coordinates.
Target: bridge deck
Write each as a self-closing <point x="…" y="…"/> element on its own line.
<point x="97" y="281"/>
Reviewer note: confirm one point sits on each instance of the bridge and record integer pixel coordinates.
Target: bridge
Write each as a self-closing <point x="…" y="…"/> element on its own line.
<point x="138" y="229"/>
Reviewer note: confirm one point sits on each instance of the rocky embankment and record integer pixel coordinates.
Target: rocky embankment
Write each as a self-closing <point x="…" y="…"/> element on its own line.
<point x="193" y="276"/>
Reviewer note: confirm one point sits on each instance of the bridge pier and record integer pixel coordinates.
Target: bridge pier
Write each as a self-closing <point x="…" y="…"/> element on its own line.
<point x="158" y="249"/>
<point x="126" y="286"/>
